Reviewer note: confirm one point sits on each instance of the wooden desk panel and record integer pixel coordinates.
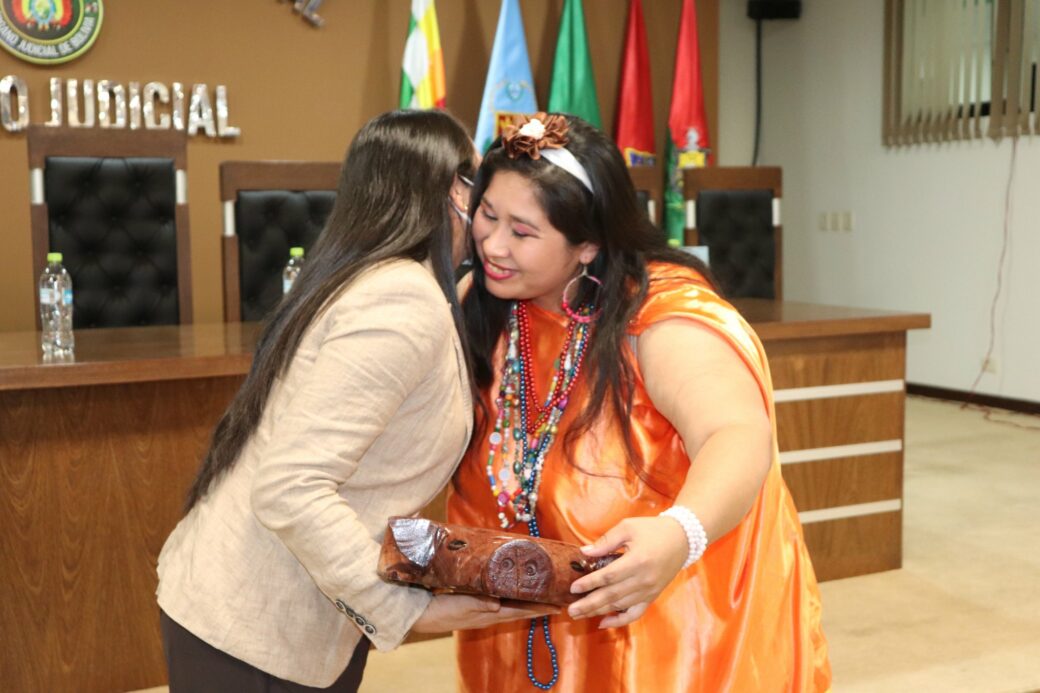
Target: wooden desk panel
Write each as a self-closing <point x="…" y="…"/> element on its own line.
<point x="829" y="360"/>
<point x="856" y="545"/>
<point x="841" y="442"/>
<point x="845" y="481"/>
<point x="817" y="423"/>
<point x="93" y="480"/>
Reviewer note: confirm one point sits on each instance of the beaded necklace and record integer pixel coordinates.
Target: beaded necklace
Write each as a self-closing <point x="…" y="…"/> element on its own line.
<point x="527" y="429"/>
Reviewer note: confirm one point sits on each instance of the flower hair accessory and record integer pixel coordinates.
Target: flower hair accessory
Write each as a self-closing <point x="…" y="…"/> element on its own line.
<point x="543" y="136"/>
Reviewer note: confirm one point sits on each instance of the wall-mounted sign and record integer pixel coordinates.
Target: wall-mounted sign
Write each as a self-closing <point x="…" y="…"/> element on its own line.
<point x="108" y="104"/>
<point x="49" y="31"/>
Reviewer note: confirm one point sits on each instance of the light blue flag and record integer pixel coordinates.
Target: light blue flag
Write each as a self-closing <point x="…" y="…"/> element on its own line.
<point x="509" y="89"/>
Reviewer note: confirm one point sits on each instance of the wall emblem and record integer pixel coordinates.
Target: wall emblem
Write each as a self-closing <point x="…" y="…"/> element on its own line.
<point x="47" y="32"/>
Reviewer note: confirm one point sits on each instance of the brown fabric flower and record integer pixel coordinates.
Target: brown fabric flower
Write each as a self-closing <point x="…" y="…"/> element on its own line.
<point x="529" y="135"/>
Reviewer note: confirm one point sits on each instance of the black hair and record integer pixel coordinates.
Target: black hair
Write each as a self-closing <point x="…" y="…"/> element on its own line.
<point x="609" y="216"/>
<point x="391" y="202"/>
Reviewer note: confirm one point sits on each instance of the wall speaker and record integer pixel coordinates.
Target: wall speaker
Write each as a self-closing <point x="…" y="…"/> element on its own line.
<point x="774" y="9"/>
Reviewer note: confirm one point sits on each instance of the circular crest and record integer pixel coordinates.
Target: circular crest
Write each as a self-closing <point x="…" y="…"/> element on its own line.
<point x="47" y="32"/>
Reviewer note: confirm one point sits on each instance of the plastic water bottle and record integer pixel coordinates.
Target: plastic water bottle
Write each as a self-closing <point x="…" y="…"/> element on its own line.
<point x="292" y="269"/>
<point x="56" y="308"/>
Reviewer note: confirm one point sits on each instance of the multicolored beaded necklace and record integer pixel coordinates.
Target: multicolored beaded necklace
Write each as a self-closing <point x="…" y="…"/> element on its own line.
<point x="527" y="429"/>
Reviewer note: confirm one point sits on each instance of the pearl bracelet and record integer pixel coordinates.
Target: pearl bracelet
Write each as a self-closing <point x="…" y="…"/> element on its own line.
<point x="696" y="537"/>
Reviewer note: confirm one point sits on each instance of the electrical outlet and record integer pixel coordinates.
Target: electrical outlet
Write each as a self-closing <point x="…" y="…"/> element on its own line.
<point x="846" y="220"/>
<point x="822" y="221"/>
<point x="834" y="222"/>
<point x="989" y="365"/>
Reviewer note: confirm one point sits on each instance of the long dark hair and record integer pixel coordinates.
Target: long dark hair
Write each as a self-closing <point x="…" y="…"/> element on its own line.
<point x="391" y="202"/>
<point x="610" y="217"/>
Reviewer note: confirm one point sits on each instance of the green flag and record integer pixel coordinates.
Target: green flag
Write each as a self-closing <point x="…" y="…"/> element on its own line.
<point x="573" y="88"/>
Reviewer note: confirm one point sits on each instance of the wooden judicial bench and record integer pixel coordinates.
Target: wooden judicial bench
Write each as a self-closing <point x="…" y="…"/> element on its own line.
<point x="96" y="457"/>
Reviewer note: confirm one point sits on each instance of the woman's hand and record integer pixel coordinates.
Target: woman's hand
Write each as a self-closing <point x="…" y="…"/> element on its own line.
<point x="655" y="550"/>
<point x="448" y="612"/>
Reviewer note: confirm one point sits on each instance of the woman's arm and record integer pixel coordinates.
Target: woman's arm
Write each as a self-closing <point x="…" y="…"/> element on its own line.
<point x="381" y="339"/>
<point x="700" y="384"/>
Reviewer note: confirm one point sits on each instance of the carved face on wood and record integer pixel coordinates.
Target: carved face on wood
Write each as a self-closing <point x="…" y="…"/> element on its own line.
<point x="518" y="569"/>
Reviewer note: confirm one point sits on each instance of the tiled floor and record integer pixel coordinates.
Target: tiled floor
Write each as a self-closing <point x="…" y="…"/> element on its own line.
<point x="964" y="612"/>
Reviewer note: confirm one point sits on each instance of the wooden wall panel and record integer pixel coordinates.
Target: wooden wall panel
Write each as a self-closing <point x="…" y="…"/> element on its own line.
<point x="92" y="480"/>
<point x="817" y="423"/>
<point x="855" y="545"/>
<point x="845" y="480"/>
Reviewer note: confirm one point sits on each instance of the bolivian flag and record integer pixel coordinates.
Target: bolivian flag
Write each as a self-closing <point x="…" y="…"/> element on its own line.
<point x="42" y="14"/>
<point x="422" y="68"/>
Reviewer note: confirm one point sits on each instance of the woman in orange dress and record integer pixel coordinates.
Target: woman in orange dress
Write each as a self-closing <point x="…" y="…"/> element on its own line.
<point x="626" y="407"/>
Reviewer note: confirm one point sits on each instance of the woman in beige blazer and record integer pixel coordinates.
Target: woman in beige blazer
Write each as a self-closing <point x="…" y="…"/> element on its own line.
<point x="357" y="407"/>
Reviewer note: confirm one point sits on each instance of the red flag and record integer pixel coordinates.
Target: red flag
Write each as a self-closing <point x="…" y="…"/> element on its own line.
<point x="688" y="145"/>
<point x="687" y="112"/>
<point x="634" y="128"/>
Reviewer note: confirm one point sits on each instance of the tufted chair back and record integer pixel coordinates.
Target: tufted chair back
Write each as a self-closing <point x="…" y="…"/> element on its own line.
<point x="113" y="202"/>
<point x="269" y="207"/>
<point x="735" y="211"/>
<point x="649" y="187"/>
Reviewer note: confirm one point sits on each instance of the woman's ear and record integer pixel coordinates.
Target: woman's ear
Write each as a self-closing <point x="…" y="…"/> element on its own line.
<point x="460" y="194"/>
<point x="588" y="252"/>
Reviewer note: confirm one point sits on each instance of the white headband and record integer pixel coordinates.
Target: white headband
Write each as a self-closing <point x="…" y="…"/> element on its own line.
<point x="558" y="156"/>
<point x="569" y="163"/>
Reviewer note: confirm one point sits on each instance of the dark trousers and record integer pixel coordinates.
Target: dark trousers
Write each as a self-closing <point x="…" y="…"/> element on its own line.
<point x="197" y="667"/>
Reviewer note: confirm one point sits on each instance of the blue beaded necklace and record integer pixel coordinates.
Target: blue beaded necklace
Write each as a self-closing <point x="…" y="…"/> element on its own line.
<point x="531" y="437"/>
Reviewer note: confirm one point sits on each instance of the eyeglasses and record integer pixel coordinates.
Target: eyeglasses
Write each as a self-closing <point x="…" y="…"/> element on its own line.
<point x="465" y="181"/>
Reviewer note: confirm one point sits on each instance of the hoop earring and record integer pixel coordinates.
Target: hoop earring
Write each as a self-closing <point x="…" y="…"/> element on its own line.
<point x="571" y="313"/>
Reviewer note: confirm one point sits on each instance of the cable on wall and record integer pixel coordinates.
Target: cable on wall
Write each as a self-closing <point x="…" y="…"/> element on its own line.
<point x="1005" y="244"/>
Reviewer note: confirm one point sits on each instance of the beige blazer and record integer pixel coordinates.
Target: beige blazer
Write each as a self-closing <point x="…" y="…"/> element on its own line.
<point x="276" y="565"/>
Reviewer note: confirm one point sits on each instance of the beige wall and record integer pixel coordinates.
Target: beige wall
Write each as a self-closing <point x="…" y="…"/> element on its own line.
<point x="929" y="219"/>
<point x="301" y="93"/>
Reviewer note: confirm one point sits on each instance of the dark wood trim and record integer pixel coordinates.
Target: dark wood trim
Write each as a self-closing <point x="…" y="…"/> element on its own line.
<point x="650" y="179"/>
<point x="232" y="288"/>
<point x="775" y="320"/>
<point x="45" y="141"/>
<point x="116" y="355"/>
<point x="732" y="178"/>
<point x="277" y="175"/>
<point x="1023" y="406"/>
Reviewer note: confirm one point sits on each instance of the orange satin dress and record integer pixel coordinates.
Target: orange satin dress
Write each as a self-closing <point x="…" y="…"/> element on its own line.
<point x="744" y="618"/>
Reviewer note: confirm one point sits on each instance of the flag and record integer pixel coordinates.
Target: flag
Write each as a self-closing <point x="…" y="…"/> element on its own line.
<point x="573" y="87"/>
<point x="687" y="144"/>
<point x="509" y="89"/>
<point x="634" y="129"/>
<point x="422" y="67"/>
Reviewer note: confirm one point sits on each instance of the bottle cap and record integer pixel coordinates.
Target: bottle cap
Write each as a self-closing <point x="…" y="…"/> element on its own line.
<point x="54" y="257"/>
<point x="296" y="252"/>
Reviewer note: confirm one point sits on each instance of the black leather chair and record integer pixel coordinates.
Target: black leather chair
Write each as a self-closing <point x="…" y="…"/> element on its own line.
<point x="269" y="207"/>
<point x="114" y="203"/>
<point x="736" y="213"/>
